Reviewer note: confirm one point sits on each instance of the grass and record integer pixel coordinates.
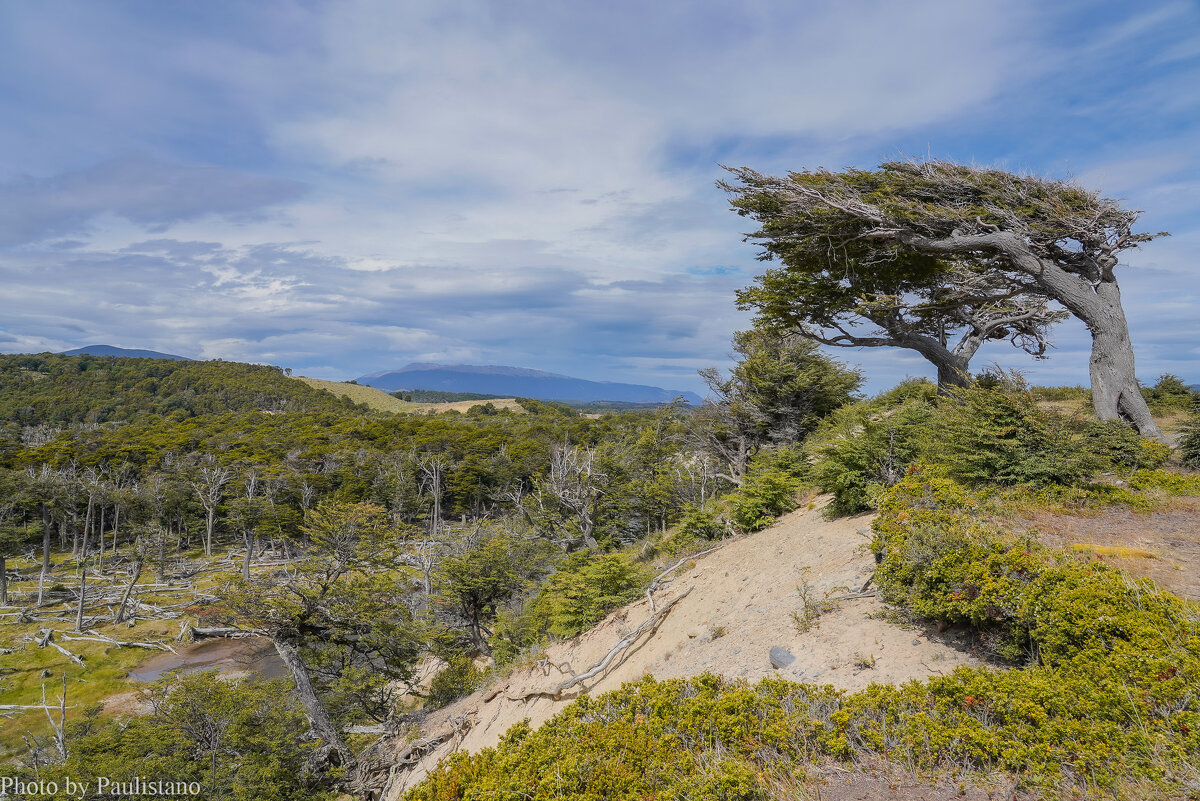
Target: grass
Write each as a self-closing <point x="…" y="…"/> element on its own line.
<point x="376" y="399"/>
<point x="381" y="401"/>
<point x="1113" y="550"/>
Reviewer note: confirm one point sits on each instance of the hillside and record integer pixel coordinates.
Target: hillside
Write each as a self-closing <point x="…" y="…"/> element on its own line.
<point x="734" y="606"/>
<point x="54" y="389"/>
<point x="132" y="353"/>
<point x="386" y="402"/>
<point x="517" y="382"/>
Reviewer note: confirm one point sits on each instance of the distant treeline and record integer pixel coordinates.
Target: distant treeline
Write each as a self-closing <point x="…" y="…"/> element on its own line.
<point x="53" y="389"/>
<point x="438" y="396"/>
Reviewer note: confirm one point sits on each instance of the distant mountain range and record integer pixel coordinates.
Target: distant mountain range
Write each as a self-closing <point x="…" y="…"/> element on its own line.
<point x="517" y="382"/>
<point x="111" y="350"/>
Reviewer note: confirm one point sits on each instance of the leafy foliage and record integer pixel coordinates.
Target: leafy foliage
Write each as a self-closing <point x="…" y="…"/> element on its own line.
<point x="781" y="386"/>
<point x="862" y="449"/>
<point x="585" y="588"/>
<point x="1169" y="394"/>
<point x="237" y="740"/>
<point x="997" y="434"/>
<point x="47" y="388"/>
<point x="1189" y="445"/>
<point x="769" y="490"/>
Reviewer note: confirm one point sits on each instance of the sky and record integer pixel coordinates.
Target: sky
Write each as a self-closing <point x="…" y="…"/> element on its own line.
<point x="345" y="187"/>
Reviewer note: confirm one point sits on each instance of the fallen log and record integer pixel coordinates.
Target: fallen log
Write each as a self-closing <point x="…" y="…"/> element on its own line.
<point x="65" y="652"/>
<point x="155" y="646"/>
<point x="226" y="631"/>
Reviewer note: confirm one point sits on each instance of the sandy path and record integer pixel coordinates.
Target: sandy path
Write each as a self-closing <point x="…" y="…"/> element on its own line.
<point x="748" y="588"/>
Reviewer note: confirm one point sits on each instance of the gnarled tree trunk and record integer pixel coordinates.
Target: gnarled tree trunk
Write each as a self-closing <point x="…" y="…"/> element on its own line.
<point x="333" y="750"/>
<point x="1116" y="394"/>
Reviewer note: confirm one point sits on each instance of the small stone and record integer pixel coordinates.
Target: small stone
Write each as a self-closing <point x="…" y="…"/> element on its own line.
<point x="46" y="673"/>
<point x="693" y="633"/>
<point x="780" y="657"/>
<point x="916" y="642"/>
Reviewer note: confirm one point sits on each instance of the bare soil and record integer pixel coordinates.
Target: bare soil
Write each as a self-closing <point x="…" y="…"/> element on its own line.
<point x="1171" y="535"/>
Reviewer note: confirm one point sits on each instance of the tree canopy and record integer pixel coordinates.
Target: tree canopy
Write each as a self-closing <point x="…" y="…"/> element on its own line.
<point x="993" y="244"/>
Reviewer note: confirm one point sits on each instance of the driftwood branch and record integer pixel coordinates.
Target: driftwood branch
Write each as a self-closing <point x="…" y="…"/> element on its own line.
<point x="228" y="631"/>
<point x="656" y="582"/>
<point x="650" y="624"/>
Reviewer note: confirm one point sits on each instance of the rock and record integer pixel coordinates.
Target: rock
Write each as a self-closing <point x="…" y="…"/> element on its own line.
<point x="780" y="657"/>
<point x="46" y="673"/>
<point x="693" y="633"/>
<point x="916" y="642"/>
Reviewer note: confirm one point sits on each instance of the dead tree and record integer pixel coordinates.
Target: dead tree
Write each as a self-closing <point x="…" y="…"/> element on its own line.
<point x="210" y="490"/>
<point x="576" y="484"/>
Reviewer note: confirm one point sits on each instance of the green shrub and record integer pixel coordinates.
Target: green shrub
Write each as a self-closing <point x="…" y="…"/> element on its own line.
<point x="460" y="677"/>
<point x="1169" y="394"/>
<point x="1167" y="481"/>
<point x="1119" y="448"/>
<point x="700" y="524"/>
<point x="863" y="449"/>
<point x="768" y="490"/>
<point x="998" y="435"/>
<point x="1189" y="445"/>
<point x="940" y="562"/>
<point x="585" y="588"/>
<point x="1080" y="394"/>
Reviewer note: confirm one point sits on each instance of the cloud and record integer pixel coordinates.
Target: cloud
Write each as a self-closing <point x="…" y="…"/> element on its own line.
<point x="148" y="192"/>
<point x="346" y="187"/>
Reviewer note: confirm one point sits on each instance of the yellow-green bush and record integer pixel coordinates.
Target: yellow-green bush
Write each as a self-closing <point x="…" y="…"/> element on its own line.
<point x="940" y="562"/>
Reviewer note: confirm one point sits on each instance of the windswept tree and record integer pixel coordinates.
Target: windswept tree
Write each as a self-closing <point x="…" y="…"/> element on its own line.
<point x="948" y="240"/>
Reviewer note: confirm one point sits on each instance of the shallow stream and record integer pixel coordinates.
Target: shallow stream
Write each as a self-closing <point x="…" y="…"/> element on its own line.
<point x="250" y="656"/>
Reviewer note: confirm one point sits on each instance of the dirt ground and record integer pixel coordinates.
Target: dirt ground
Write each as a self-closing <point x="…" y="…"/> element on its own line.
<point x="1171" y="538"/>
<point x="739" y="604"/>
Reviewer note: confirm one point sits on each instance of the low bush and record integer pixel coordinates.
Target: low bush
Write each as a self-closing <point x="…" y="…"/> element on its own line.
<point x="699" y="524"/>
<point x="1169" y="394"/>
<point x="1121" y="449"/>
<point x="1189" y="445"/>
<point x="1078" y="394"/>
<point x="862" y="449"/>
<point x="995" y="433"/>
<point x="460" y="677"/>
<point x="769" y="489"/>
<point x="585" y="587"/>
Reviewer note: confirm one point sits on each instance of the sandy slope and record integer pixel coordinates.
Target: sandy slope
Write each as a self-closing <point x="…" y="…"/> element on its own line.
<point x="748" y="588"/>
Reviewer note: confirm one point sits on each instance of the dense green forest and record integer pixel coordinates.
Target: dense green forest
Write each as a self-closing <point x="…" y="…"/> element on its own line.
<point x="51" y="389"/>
